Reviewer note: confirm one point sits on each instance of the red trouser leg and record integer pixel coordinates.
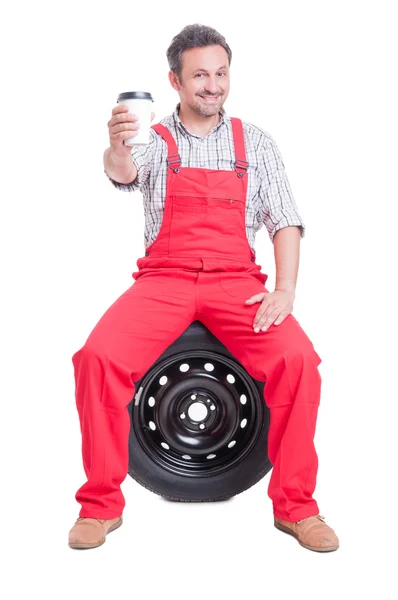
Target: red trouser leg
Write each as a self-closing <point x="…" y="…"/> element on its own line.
<point x="283" y="357"/>
<point x="124" y="344"/>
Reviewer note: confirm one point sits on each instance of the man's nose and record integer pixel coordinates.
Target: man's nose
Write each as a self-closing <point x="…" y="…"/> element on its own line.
<point x="212" y="85"/>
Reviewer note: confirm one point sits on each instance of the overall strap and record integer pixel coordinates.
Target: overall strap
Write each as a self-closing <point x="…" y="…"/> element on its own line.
<point x="173" y="158"/>
<point x="241" y="165"/>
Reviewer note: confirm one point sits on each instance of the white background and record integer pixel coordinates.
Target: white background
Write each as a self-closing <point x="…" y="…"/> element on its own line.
<point x="319" y="76"/>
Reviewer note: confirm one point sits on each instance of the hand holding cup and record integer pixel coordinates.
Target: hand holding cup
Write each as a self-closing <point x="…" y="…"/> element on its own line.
<point x="123" y="125"/>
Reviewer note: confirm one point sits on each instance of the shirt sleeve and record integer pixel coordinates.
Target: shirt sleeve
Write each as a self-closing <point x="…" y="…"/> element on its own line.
<point x="142" y="157"/>
<point x="279" y="208"/>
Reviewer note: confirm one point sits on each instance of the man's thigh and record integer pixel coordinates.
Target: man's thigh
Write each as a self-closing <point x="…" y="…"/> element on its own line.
<point x="145" y="320"/>
<point x="231" y="320"/>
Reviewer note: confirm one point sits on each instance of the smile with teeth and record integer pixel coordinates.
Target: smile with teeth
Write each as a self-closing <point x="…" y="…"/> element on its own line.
<point x="209" y="98"/>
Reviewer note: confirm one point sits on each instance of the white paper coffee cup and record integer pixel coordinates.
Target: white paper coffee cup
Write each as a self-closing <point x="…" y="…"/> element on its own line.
<point x="140" y="104"/>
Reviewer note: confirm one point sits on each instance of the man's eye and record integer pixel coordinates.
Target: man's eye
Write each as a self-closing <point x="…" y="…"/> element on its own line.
<point x="199" y="74"/>
<point x="222" y="74"/>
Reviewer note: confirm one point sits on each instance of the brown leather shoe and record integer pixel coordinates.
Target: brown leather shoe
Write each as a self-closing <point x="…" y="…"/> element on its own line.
<point x="311" y="532"/>
<point x="90" y="533"/>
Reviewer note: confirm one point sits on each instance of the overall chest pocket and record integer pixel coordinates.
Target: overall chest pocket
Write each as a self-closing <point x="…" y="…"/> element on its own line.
<point x="187" y="203"/>
<point x="227" y="214"/>
<point x="198" y="223"/>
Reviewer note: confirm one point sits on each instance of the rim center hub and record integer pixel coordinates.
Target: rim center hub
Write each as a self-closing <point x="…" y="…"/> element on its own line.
<point x="198" y="412"/>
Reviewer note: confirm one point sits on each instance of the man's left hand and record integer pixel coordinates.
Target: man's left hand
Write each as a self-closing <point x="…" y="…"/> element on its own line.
<point x="275" y="307"/>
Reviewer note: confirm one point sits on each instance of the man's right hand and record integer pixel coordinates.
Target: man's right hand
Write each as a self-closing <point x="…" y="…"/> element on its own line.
<point x="122" y="125"/>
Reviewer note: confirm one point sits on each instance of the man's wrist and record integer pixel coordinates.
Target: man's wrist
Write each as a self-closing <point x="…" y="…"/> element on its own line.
<point x="119" y="169"/>
<point x="286" y="286"/>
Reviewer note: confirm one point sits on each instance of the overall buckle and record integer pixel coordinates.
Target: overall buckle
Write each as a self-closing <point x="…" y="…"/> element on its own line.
<point x="241" y="164"/>
<point x="174" y="163"/>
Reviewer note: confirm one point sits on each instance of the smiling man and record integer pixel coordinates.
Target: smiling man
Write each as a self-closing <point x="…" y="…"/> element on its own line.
<point x="209" y="183"/>
<point x="202" y="92"/>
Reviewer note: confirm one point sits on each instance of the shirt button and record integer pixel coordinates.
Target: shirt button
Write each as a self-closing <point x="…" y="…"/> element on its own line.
<point x="146" y="253"/>
<point x="252" y="259"/>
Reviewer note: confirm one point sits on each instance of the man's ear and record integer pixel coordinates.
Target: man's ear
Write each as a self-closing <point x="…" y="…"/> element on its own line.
<point x="175" y="83"/>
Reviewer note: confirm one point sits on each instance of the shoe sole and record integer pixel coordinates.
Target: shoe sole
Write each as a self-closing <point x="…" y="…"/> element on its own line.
<point x="315" y="549"/>
<point x="82" y="546"/>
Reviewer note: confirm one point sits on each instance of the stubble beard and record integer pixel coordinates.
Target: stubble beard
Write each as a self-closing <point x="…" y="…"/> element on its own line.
<point x="206" y="111"/>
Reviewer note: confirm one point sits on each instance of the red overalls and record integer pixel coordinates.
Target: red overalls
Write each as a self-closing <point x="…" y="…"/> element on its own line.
<point x="200" y="267"/>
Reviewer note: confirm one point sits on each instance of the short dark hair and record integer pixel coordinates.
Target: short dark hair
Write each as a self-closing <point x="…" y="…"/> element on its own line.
<point x="194" y="36"/>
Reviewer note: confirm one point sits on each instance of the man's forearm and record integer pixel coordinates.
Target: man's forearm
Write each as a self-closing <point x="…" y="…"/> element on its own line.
<point x="287" y="257"/>
<point x="121" y="170"/>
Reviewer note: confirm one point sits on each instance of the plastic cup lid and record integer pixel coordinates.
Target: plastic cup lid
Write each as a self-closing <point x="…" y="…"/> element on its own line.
<point x="135" y="96"/>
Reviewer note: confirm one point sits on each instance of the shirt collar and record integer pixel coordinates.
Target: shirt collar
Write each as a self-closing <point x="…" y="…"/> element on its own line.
<point x="181" y="125"/>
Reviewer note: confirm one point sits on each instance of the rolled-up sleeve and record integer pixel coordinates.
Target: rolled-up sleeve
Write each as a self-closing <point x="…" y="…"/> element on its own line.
<point x="278" y="205"/>
<point x="142" y="157"/>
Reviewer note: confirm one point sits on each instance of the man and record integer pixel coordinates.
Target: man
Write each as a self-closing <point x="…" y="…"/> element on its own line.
<point x="209" y="182"/>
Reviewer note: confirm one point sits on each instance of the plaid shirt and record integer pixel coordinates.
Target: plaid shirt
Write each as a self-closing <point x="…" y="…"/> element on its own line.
<point x="269" y="197"/>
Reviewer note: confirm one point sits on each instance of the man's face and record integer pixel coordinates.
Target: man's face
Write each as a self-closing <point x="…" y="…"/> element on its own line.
<point x="204" y="83"/>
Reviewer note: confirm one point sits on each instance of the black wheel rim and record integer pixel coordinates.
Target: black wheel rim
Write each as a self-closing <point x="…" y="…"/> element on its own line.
<point x="197" y="413"/>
